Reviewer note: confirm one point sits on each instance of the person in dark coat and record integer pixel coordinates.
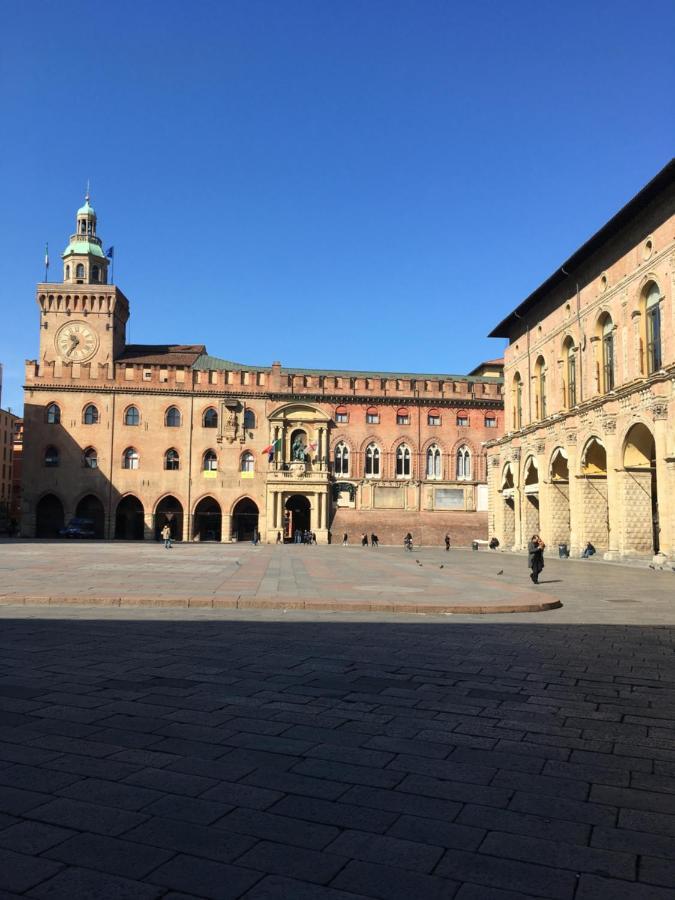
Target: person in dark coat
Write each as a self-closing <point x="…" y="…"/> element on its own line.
<point x="535" y="557"/>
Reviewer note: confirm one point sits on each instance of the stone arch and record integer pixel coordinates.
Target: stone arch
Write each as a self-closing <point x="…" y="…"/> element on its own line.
<point x="49" y="516"/>
<point x="207" y="519"/>
<point x="169" y="511"/>
<point x="640" y="491"/>
<point x="129" y="519"/>
<point x="245" y="518"/>
<point x="530" y="498"/>
<point x="559" y="497"/>
<point x="508" y="508"/>
<point x="594" y="493"/>
<point x="91" y="507"/>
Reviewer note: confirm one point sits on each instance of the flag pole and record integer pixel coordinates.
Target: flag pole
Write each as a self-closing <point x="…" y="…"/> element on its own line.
<point x="46" y="260"/>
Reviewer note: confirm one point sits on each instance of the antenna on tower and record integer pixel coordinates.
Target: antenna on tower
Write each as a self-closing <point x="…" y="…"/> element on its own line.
<point x="86" y="196"/>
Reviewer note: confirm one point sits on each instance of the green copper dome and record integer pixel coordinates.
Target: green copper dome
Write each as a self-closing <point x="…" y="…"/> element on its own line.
<point x="86" y="210"/>
<point x="83" y="247"/>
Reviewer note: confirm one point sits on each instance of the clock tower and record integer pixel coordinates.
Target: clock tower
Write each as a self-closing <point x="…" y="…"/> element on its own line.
<point x="82" y="318"/>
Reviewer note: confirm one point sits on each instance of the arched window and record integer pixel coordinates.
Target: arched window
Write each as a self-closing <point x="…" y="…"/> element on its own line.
<point x="172" y="417"/>
<point x="67" y="272"/>
<point x="249" y="419"/>
<point x="51" y="457"/>
<point x="90" y="416"/>
<point x="540" y="375"/>
<point x="462" y="419"/>
<point x="90" y="458"/>
<point x="463" y="464"/>
<point x="132" y="416"/>
<point x="372" y="461"/>
<point x="607" y="354"/>
<point x="341" y="415"/>
<point x="247" y="462"/>
<point x="79" y="271"/>
<point x="403" y="461"/>
<point x="342" y="459"/>
<point x="490" y="421"/>
<point x="210" y="418"/>
<point x="372" y="416"/>
<point x="653" y="328"/>
<point x="94" y="273"/>
<point x="434" y="462"/>
<point x="402" y="416"/>
<point x="210" y="461"/>
<point x="434" y="417"/>
<point x="517" y="401"/>
<point x="53" y="414"/>
<point x="570" y="363"/>
<point x="172" y="460"/>
<point x="130" y="458"/>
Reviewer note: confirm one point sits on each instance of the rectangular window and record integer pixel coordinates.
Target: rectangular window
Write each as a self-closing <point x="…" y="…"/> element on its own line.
<point x="490" y="422"/>
<point x="462" y="421"/>
<point x="434" y="420"/>
<point x="341" y="418"/>
<point x="403" y="420"/>
<point x="373" y="418"/>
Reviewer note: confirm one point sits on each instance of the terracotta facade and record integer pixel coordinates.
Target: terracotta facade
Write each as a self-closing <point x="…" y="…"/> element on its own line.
<point x="132" y="436"/>
<point x="589" y="449"/>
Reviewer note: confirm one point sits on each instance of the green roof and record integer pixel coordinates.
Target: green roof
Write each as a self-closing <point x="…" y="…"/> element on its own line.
<point x="86" y="210"/>
<point x="206" y="361"/>
<point x="83" y="247"/>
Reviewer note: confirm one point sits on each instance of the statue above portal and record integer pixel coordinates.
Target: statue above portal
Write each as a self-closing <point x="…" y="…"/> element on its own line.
<point x="298" y="450"/>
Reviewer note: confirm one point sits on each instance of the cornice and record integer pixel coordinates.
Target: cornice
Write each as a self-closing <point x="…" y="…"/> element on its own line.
<point x="382" y="400"/>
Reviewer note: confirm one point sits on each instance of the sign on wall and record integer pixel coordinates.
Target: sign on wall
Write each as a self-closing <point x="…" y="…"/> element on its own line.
<point x="449" y="498"/>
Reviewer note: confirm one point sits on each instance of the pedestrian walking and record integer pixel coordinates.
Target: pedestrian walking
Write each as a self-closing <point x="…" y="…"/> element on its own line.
<point x="345" y="539"/>
<point x="278" y="537"/>
<point x="364" y="540"/>
<point x="166" y="537"/>
<point x="408" y="541"/>
<point x="447" y="542"/>
<point x="314" y="537"/>
<point x="374" y="540"/>
<point x="535" y="557"/>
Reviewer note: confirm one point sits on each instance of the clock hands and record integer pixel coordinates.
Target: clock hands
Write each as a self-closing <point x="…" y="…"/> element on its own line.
<point x="74" y="342"/>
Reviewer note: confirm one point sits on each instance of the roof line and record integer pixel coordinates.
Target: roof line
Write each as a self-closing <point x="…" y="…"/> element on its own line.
<point x="649" y="192"/>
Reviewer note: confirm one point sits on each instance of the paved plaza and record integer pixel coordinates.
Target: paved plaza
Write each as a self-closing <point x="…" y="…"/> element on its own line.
<point x="294" y="753"/>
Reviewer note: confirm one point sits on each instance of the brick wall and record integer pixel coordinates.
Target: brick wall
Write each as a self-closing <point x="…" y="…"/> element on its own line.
<point x="427" y="528"/>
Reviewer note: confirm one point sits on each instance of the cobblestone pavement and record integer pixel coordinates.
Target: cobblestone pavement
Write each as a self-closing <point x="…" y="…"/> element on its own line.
<point x="181" y="753"/>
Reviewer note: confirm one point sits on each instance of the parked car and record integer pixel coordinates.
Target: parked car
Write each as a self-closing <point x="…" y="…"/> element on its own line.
<point x="79" y="528"/>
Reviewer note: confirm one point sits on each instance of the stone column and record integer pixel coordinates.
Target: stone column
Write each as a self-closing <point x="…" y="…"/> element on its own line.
<point x="226" y="529"/>
<point x="575" y="495"/>
<point x="615" y="478"/>
<point x="665" y="480"/>
<point x="517" y="500"/>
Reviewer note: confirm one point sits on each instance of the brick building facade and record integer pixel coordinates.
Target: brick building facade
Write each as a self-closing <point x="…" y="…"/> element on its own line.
<point x="589" y="449"/>
<point x="134" y="436"/>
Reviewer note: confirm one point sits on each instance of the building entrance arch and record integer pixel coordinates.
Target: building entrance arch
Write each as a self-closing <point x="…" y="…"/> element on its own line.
<point x="130" y="519"/>
<point x="299" y="516"/>
<point x="509" y="507"/>
<point x="207" y="521"/>
<point x="169" y="511"/>
<point x="90" y="507"/>
<point x="530" y="511"/>
<point x="49" y="517"/>
<point x="640" y="490"/>
<point x="244" y="520"/>
<point x="594" y="494"/>
<point x="559" y="494"/>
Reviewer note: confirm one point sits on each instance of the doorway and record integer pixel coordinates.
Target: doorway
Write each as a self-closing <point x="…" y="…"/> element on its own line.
<point x="130" y="519"/>
<point x="299" y="515"/>
<point x="244" y="520"/>
<point x="90" y="507"/>
<point x="208" y="520"/>
<point x="49" y="518"/>
<point x="169" y="512"/>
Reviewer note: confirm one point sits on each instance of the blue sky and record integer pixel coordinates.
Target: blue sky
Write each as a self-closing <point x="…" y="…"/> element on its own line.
<point x="351" y="184"/>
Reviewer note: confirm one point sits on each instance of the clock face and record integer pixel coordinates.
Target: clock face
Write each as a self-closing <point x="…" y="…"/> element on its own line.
<point x="76" y="341"/>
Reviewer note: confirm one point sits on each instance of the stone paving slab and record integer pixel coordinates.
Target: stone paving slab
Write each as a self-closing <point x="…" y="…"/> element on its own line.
<point x="176" y="752"/>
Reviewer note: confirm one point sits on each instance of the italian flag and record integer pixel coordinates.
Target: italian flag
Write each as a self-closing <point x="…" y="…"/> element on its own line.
<point x="273" y="447"/>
